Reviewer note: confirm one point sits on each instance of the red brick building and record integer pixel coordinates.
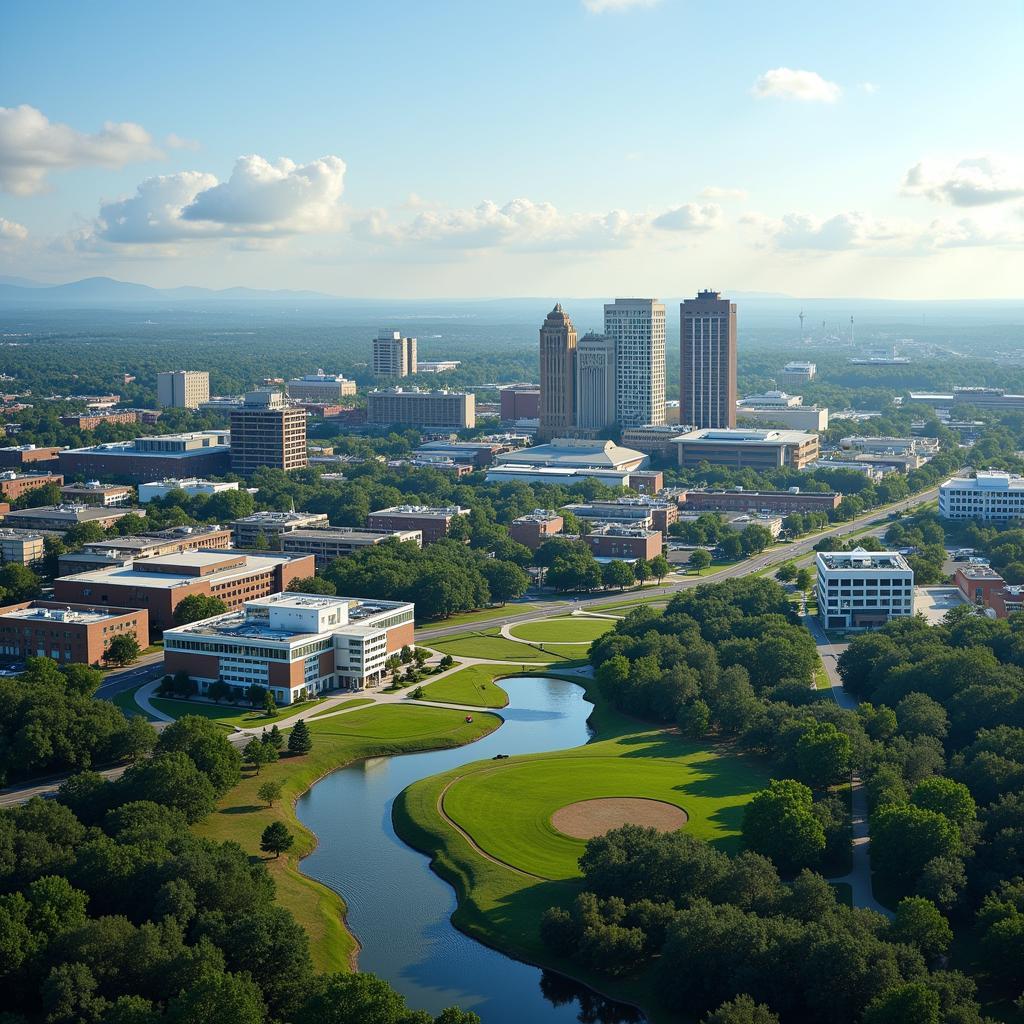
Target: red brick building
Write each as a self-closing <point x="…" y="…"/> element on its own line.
<point x="14" y="484"/>
<point x="783" y="502"/>
<point x="625" y="542"/>
<point x="90" y="421"/>
<point x="978" y="583"/>
<point x="18" y="456"/>
<point x="519" y="402"/>
<point x="161" y="582"/>
<point x="535" y="528"/>
<point x="68" y="633"/>
<point x="433" y="523"/>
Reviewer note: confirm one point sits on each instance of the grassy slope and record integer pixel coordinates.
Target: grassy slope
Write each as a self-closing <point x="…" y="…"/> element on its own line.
<point x="472" y="685"/>
<point x="503" y="908"/>
<point x="491" y="645"/>
<point x="353" y="703"/>
<point x="240" y="817"/>
<point x="562" y="631"/>
<point x="470" y="618"/>
<point x="228" y="716"/>
<point x="126" y="702"/>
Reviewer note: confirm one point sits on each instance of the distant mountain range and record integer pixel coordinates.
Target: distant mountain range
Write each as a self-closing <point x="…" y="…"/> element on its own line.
<point x="93" y="290"/>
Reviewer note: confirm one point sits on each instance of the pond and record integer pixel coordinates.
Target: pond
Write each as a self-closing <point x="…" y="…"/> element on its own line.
<point x="400" y="910"/>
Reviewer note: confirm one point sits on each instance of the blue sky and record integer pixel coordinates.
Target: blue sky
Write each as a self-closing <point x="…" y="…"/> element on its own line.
<point x="586" y="147"/>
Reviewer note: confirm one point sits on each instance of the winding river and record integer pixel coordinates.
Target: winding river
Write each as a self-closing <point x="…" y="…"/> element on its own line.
<point x="400" y="910"/>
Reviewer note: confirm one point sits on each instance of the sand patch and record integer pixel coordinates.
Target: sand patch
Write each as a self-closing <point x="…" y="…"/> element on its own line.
<point x="589" y="818"/>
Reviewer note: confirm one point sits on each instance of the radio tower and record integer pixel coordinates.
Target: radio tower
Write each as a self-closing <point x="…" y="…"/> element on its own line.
<point x="851" y="332"/>
<point x="801" y="326"/>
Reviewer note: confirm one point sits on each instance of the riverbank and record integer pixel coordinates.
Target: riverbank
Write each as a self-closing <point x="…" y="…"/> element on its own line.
<point x="338" y="741"/>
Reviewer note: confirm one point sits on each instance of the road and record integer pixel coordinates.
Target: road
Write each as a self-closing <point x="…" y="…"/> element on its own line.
<point x="150" y="666"/>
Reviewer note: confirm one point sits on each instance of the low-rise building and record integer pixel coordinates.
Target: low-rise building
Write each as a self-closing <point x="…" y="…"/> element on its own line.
<point x="628" y="543"/>
<point x="416" y="407"/>
<point x="778" y="408"/>
<point x="94" y="493"/>
<point x="269" y="526"/>
<point x="647" y="481"/>
<point x="924" y="446"/>
<point x="860" y="589"/>
<point x="161" y="582"/>
<point x="797" y="374"/>
<point x="437" y="365"/>
<point x="202" y="453"/>
<point x="747" y="449"/>
<point x="978" y="583"/>
<point x="333" y="542"/>
<point x="773" y="524"/>
<point x="654" y="439"/>
<point x="990" y="496"/>
<point x="519" y="402"/>
<point x="90" y="421"/>
<point x="995" y="399"/>
<point x="432" y="522"/>
<point x="648" y="512"/>
<point x="295" y="645"/>
<point x="67" y="633"/>
<point x="1007" y="601"/>
<point x="868" y="469"/>
<point x="472" y="453"/>
<point x="320" y="387"/>
<point x="24" y="547"/>
<point x="709" y="499"/>
<point x="20" y="455"/>
<point x="560" y="477"/>
<point x="192" y="486"/>
<point x="576" y="453"/>
<point x="123" y="551"/>
<point x="63" y="517"/>
<point x="14" y="484"/>
<point x="535" y="528"/>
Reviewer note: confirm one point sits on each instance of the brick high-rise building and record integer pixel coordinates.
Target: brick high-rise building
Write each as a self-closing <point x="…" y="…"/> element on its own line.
<point x="707" y="357"/>
<point x="267" y="432"/>
<point x="557" y="374"/>
<point x="595" y="382"/>
<point x="183" y="389"/>
<point x="637" y="327"/>
<point x="393" y="355"/>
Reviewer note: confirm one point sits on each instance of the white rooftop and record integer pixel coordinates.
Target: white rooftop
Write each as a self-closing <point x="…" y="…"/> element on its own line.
<point x="988" y="480"/>
<point x="744" y="436"/>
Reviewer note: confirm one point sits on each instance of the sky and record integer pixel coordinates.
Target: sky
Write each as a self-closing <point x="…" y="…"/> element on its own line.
<point x="460" y="148"/>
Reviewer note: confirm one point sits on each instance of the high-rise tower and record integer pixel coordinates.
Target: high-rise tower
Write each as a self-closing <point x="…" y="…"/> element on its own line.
<point x="557" y="374"/>
<point x="637" y="329"/>
<point x="595" y="382"/>
<point x="707" y="361"/>
<point x="393" y="355"/>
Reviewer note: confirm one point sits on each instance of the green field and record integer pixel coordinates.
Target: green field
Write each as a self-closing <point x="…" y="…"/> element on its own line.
<point x="241" y="817"/>
<point x="355" y="702"/>
<point x="490" y="645"/>
<point x="470" y="618"/>
<point x="227" y="715"/>
<point x="126" y="702"/>
<point x="622" y="607"/>
<point x="562" y="631"/>
<point x="472" y="685"/>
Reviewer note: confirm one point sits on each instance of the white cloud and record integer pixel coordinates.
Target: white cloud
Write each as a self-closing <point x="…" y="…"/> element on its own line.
<point x="260" y="199"/>
<point x="11" y="230"/>
<point x="843" y="231"/>
<point x="605" y="6"/>
<point x="177" y="142"/>
<point x="977" y="181"/>
<point x="721" y="192"/>
<point x="690" y="217"/>
<point x="31" y="145"/>
<point x="789" y="84"/>
<point x="869" y="87"/>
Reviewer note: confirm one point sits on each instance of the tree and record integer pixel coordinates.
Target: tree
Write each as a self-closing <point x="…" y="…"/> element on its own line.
<point x="300" y="739"/>
<point x="804" y="580"/>
<point x="641" y="571"/>
<point x="270" y="791"/>
<point x="616" y="574"/>
<point x="137" y="739"/>
<point x="313" y="585"/>
<point x="823" y="755"/>
<point x="920" y="923"/>
<point x="347" y="998"/>
<point x="256" y="695"/>
<point x="741" y="1010"/>
<point x="779" y="822"/>
<point x="218" y="996"/>
<point x="730" y="546"/>
<point x="910" y="1003"/>
<point x="218" y="690"/>
<point x="904" y="838"/>
<point x="208" y="747"/>
<point x="694" y="719"/>
<point x="172" y="780"/>
<point x="660" y="567"/>
<point x="786" y="572"/>
<point x="269" y="704"/>
<point x="506" y="580"/>
<point x="275" y="737"/>
<point x="123" y="649"/>
<point x="196" y="607"/>
<point x="755" y="538"/>
<point x="700" y="559"/>
<point x="953" y="799"/>
<point x="257" y="753"/>
<point x="405" y="655"/>
<point x="276" y="839"/>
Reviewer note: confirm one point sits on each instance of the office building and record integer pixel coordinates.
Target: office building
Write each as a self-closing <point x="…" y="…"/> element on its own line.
<point x="14" y="485"/>
<point x="866" y="469"/>
<point x="924" y="446"/>
<point x="320" y="387"/>
<point x="24" y="546"/>
<point x="740" y="500"/>
<point x="182" y="389"/>
<point x="655" y="441"/>
<point x="267" y="432"/>
<point x="414" y="407"/>
<point x="990" y="496"/>
<point x="393" y="355"/>
<point x="191" y="486"/>
<point x="437" y="365"/>
<point x="557" y="373"/>
<point x="860" y="589"/>
<point x="519" y="402"/>
<point x="63" y="517"/>
<point x="797" y="374"/>
<point x="333" y="542"/>
<point x="473" y="453"/>
<point x="270" y="526"/>
<point x="611" y="541"/>
<point x="203" y="453"/>
<point x="90" y="421"/>
<point x="294" y="645"/>
<point x="22" y="455"/>
<point x="595" y="382"/>
<point x="742" y="449"/>
<point x="432" y="523"/>
<point x="121" y="551"/>
<point x="978" y="583"/>
<point x="535" y="528"/>
<point x="782" y="410"/>
<point x="707" y="361"/>
<point x="161" y="582"/>
<point x="651" y="513"/>
<point x="68" y="633"/>
<point x="995" y="399"/>
<point x="92" y="492"/>
<point x="637" y="329"/>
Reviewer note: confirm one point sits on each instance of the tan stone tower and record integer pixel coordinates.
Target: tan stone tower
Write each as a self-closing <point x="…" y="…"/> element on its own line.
<point x="557" y="374"/>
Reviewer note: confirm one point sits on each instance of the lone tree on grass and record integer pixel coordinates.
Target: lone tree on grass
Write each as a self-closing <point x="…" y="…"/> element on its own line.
<point x="257" y="753"/>
<point x="276" y="839"/>
<point x="660" y="567"/>
<point x="300" y="739"/>
<point x="123" y="649"/>
<point x="269" y="792"/>
<point x="269" y="705"/>
<point x="700" y="560"/>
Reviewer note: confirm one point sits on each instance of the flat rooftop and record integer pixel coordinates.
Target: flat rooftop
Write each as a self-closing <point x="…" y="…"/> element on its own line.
<point x="725" y="436"/>
<point x="421" y="510"/>
<point x="278" y="517"/>
<point x="861" y="559"/>
<point x="987" y="480"/>
<point x="978" y="572"/>
<point x="72" y="513"/>
<point x="138" y="575"/>
<point x="54" y="612"/>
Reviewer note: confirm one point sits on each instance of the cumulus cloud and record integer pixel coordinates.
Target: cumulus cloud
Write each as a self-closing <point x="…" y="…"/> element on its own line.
<point x="869" y="87"/>
<point x="260" y="199"/>
<point x="12" y="231"/>
<point x="605" y="6"/>
<point x="690" y="217"/>
<point x="720" y="192"/>
<point x="848" y="230"/>
<point x="31" y="145"/>
<point x="977" y="181"/>
<point x="790" y="84"/>
<point x="177" y="142"/>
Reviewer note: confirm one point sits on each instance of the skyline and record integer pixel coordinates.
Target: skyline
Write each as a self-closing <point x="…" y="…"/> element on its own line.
<point x="805" y="152"/>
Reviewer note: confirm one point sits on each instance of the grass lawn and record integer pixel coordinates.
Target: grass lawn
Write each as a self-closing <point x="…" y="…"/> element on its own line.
<point x="227" y="715"/>
<point x="126" y="702"/>
<point x="491" y="645"/>
<point x="241" y="817"/>
<point x="469" y="618"/>
<point x="472" y="685"/>
<point x="353" y="703"/>
<point x="562" y="631"/>
<point x="624" y="607"/>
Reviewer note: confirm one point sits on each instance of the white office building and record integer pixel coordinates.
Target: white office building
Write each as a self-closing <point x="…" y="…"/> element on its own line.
<point x="637" y="328"/>
<point x="191" y="486"/>
<point x="780" y="409"/>
<point x="861" y="589"/>
<point x="991" y="496"/>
